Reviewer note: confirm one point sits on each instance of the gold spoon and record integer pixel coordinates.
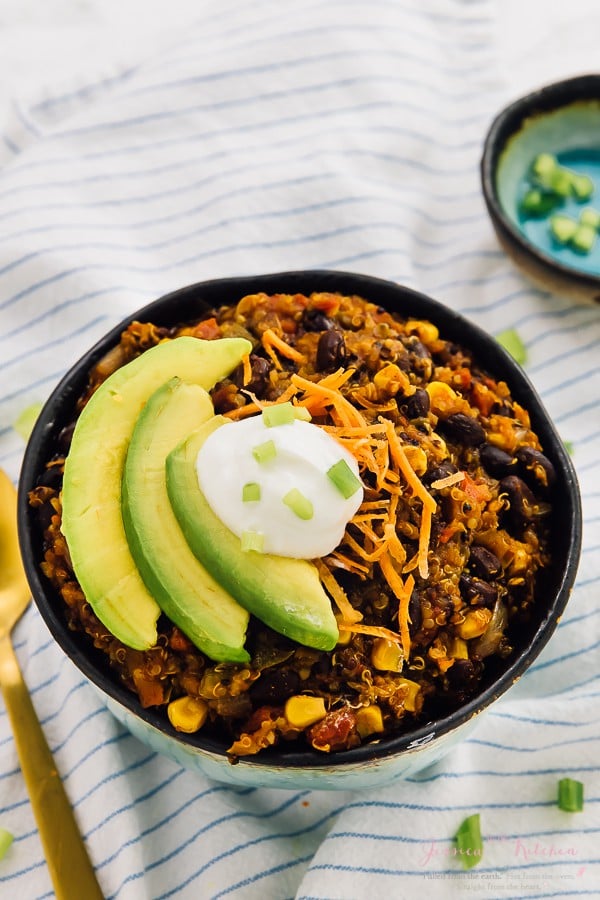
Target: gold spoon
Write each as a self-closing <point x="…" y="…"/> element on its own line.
<point x="69" y="865"/>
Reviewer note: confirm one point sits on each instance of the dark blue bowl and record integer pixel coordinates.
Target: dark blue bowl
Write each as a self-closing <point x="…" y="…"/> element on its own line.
<point x="374" y="763"/>
<point x="561" y="118"/>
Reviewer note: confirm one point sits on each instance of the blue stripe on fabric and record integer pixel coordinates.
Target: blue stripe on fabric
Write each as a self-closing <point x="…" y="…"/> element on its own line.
<point x="481" y="869"/>
<point x="287" y="64"/>
<point x="132" y="767"/>
<point x="199" y="160"/>
<point x="11" y="144"/>
<point x="168" y="782"/>
<point x="252" y="843"/>
<point x="67" y="336"/>
<point x="188" y="188"/>
<point x="593" y="404"/>
<point x="569" y="382"/>
<point x="444" y="839"/>
<point x="266" y="873"/>
<point x="514" y="749"/>
<point x="487" y="773"/>
<point x="536" y="667"/>
<point x="560" y="357"/>
<point x="34" y="384"/>
<point x="86" y="90"/>
<point x="537" y="721"/>
<point x="203" y="830"/>
<point x="188" y="235"/>
<point x="217" y="251"/>
<point x="24" y="119"/>
<point x="60" y="307"/>
<point x="399" y="105"/>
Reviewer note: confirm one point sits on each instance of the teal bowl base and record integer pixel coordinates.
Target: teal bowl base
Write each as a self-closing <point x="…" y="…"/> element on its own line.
<point x="334" y="777"/>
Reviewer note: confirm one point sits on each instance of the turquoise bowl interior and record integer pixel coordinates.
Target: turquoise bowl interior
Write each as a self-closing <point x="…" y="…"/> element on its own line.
<point x="562" y="119"/>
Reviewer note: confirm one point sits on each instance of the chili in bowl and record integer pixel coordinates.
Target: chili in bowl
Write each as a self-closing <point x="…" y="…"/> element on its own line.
<point x="368" y="526"/>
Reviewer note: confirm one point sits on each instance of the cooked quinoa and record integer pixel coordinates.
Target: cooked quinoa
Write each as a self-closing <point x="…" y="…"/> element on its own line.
<point x="437" y="570"/>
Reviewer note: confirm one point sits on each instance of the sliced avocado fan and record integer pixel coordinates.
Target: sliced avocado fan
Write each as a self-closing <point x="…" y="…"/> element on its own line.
<point x="91" y="519"/>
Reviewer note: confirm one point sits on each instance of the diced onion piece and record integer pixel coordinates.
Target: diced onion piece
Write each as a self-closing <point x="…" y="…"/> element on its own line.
<point x="278" y="414"/>
<point x="252" y="540"/>
<point x="264" y="452"/>
<point x="570" y="795"/>
<point x="250" y="492"/>
<point x="299" y="504"/>
<point x="344" y="479"/>
<point x="469" y="842"/>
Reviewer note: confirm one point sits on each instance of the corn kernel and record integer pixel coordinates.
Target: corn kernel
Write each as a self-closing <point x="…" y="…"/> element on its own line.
<point x="386" y="655"/>
<point x="344" y="636"/>
<point x="427" y="331"/>
<point x="442" y="398"/>
<point x="459" y="649"/>
<point x="187" y="714"/>
<point x="303" y="710"/>
<point x="476" y="622"/>
<point x="369" y="720"/>
<point x="390" y="379"/>
<point x="417" y="458"/>
<point x="413" y="691"/>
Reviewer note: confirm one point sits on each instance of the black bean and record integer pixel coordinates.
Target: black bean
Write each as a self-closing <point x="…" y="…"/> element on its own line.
<point x="417" y="405"/>
<point x="275" y="685"/>
<point x="464" y="429"/>
<point x="535" y="468"/>
<point x="44" y="515"/>
<point x="260" y="375"/>
<point x="464" y="674"/>
<point x="331" y="351"/>
<point x="414" y="611"/>
<point x="417" y="348"/>
<point x="523" y="504"/>
<point x="65" y="437"/>
<point x="51" y="477"/>
<point x="496" y="462"/>
<point x="476" y="591"/>
<point x="316" y="320"/>
<point x="484" y="563"/>
<point x="445" y="468"/>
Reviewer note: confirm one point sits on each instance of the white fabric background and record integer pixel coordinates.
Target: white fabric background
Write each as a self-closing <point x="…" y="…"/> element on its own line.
<point x="343" y="135"/>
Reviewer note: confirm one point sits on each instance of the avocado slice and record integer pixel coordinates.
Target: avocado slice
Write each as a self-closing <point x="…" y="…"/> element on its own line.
<point x="286" y="594"/>
<point x="91" y="518"/>
<point x="182" y="587"/>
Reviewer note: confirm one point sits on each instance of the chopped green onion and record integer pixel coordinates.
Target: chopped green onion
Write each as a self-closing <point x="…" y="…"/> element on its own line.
<point x="469" y="842"/>
<point x="263" y="453"/>
<point x="252" y="540"/>
<point x="250" y="492"/>
<point x="563" y="228"/>
<point x="299" y="504"/>
<point x="6" y="839"/>
<point x="278" y="414"/>
<point x="344" y="479"/>
<point x="584" y="238"/>
<point x="590" y="216"/>
<point x="569" y="447"/>
<point x="561" y="182"/>
<point x="570" y="795"/>
<point x="544" y="167"/>
<point x="582" y="186"/>
<point x="302" y="413"/>
<point x="538" y="202"/>
<point x="26" y="420"/>
<point x="512" y="342"/>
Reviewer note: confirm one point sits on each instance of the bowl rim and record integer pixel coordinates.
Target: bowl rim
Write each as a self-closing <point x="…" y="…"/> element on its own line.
<point x="497" y="360"/>
<point x="507" y="123"/>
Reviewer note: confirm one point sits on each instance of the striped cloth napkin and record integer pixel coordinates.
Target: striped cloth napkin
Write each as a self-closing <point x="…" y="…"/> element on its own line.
<point x="346" y="135"/>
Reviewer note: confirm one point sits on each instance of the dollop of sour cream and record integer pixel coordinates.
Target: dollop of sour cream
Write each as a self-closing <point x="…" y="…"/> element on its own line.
<point x="304" y="453"/>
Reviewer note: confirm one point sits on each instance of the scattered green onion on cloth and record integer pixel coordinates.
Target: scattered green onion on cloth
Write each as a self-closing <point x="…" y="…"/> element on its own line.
<point x="268" y="138"/>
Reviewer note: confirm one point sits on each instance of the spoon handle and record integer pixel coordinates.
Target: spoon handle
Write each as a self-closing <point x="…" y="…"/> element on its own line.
<point x="69" y="865"/>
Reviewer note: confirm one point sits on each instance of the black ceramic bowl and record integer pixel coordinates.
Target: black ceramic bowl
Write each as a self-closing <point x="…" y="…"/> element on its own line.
<point x="562" y="119"/>
<point x="371" y="764"/>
